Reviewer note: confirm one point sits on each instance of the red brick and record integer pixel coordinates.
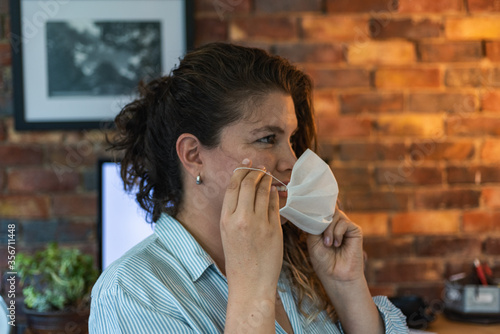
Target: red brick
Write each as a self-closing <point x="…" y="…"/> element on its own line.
<point x="374" y="200"/>
<point x="492" y="78"/>
<point x="355" y="103"/>
<point x="447" y="102"/>
<point x="472" y="28"/>
<point x="493" y="50"/>
<point x="3" y="131"/>
<point x="338" y="78"/>
<point x="400" y="176"/>
<point x="492" y="246"/>
<point x="5" y="58"/>
<point x="407" y="77"/>
<point x="210" y="30"/>
<point x="447" y="246"/>
<point x="312" y="52"/>
<point x="491" y="197"/>
<point x="223" y="8"/>
<point x="438" y="151"/>
<point x="263" y="28"/>
<point x="352" y="177"/>
<point x="467" y="77"/>
<point x="490" y="100"/>
<point x="38" y="179"/>
<point x="361" y="151"/>
<point x="266" y="6"/>
<point x="408" y="270"/>
<point x="405" y="28"/>
<point x="17" y="206"/>
<point x="372" y="224"/>
<point x="450" y="51"/>
<point x="32" y="137"/>
<point x="382" y="53"/>
<point x="74" y="205"/>
<point x="490" y="151"/>
<point x="335" y="28"/>
<point x="473" y="174"/>
<point x="326" y="102"/>
<point x="382" y="289"/>
<point x="431" y="222"/>
<point x="13" y="155"/>
<point x="3" y="180"/>
<point x="447" y="199"/>
<point x="409" y="125"/>
<point x="429" y="6"/>
<point x="483" y="6"/>
<point x="350" y="6"/>
<point x="73" y="156"/>
<point x="475" y="125"/>
<point x="334" y="127"/>
<point x="395" y="247"/>
<point x="481" y="221"/>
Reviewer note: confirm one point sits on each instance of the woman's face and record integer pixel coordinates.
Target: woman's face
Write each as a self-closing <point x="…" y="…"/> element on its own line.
<point x="263" y="136"/>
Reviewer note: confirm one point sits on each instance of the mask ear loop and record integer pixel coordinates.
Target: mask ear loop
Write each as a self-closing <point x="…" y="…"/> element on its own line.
<point x="263" y="171"/>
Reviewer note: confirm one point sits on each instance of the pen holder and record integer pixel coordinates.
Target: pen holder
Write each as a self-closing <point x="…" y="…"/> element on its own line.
<point x="473" y="303"/>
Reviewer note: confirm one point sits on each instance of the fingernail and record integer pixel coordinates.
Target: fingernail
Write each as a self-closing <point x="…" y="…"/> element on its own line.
<point x="327" y="241"/>
<point x="245" y="161"/>
<point x="262" y="168"/>
<point x="336" y="243"/>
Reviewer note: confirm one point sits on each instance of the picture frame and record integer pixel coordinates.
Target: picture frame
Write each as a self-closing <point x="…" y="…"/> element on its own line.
<point x="76" y="63"/>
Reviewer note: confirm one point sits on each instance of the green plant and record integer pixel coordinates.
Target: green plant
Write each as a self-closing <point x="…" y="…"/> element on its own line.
<point x="56" y="278"/>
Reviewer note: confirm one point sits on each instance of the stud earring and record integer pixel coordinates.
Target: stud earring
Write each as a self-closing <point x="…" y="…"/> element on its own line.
<point x="198" y="179"/>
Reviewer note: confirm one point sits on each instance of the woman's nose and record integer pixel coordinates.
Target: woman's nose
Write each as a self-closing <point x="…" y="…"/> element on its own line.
<point x="287" y="160"/>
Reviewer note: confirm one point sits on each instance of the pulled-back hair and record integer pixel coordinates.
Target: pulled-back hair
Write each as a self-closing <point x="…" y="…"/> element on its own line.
<point x="208" y="91"/>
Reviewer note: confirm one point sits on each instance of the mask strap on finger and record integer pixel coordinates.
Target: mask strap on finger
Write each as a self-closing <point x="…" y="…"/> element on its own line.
<point x="260" y="170"/>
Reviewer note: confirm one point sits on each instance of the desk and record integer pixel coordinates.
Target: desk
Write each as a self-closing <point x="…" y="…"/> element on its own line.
<point x="444" y="326"/>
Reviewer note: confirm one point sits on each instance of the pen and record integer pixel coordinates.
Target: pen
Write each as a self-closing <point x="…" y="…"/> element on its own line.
<point x="480" y="272"/>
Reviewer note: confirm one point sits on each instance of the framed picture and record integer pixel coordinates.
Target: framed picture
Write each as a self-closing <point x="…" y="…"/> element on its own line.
<point x="76" y="63"/>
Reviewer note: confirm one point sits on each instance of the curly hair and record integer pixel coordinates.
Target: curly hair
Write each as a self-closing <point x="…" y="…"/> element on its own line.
<point x="206" y="92"/>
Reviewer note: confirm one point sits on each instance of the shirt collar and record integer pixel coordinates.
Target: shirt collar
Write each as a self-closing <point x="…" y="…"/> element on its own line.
<point x="182" y="245"/>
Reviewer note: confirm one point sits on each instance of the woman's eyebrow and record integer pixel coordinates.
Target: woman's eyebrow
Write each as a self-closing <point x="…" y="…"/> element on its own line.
<point x="268" y="128"/>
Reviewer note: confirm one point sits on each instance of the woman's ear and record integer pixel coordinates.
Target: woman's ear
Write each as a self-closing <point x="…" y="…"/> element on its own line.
<point x="188" y="150"/>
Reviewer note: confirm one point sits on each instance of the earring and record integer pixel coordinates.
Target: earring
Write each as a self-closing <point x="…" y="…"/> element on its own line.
<point x="198" y="179"/>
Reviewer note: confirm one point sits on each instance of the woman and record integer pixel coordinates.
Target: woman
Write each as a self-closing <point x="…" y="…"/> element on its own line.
<point x="221" y="259"/>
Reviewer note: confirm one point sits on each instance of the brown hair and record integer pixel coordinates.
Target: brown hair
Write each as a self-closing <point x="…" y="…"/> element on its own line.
<point x="204" y="94"/>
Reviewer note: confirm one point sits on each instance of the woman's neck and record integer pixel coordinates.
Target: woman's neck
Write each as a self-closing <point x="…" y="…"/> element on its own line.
<point x="205" y="228"/>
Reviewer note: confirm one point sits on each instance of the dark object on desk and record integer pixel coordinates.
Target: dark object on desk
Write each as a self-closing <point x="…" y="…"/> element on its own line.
<point x="418" y="313"/>
<point x="472" y="302"/>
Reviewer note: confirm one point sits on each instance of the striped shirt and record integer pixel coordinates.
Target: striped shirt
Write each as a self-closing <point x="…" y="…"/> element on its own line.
<point x="168" y="284"/>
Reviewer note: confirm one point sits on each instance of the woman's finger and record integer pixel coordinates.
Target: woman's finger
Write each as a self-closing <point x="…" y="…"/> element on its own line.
<point x="248" y="188"/>
<point x="230" y="202"/>
<point x="262" y="196"/>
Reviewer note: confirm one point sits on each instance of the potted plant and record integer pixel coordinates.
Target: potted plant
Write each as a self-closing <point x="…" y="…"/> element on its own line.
<point x="56" y="284"/>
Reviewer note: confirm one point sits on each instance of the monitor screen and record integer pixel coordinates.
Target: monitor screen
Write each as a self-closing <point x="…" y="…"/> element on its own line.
<point x="121" y="222"/>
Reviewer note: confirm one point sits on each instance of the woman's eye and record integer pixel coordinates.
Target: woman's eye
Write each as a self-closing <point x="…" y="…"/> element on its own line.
<point x="271" y="139"/>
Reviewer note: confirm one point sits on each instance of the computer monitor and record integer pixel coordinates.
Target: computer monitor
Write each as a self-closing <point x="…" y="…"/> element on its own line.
<point x="121" y="221"/>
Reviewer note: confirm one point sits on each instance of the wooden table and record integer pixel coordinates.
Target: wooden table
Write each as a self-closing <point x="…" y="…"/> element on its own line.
<point x="442" y="325"/>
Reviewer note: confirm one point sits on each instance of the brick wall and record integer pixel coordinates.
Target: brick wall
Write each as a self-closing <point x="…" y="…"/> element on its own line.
<point x="407" y="101"/>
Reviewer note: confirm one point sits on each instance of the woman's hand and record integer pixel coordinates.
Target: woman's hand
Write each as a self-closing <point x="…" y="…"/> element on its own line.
<point x="252" y="239"/>
<point x="338" y="254"/>
<point x="337" y="257"/>
<point x="250" y="226"/>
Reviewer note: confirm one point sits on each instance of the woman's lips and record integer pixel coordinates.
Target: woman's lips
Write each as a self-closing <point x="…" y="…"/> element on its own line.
<point x="282" y="191"/>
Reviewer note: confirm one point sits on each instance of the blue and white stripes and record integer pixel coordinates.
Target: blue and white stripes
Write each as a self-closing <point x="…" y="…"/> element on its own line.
<point x="169" y="284"/>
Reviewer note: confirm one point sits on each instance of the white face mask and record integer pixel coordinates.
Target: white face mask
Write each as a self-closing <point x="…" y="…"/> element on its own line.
<point x="312" y="194"/>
